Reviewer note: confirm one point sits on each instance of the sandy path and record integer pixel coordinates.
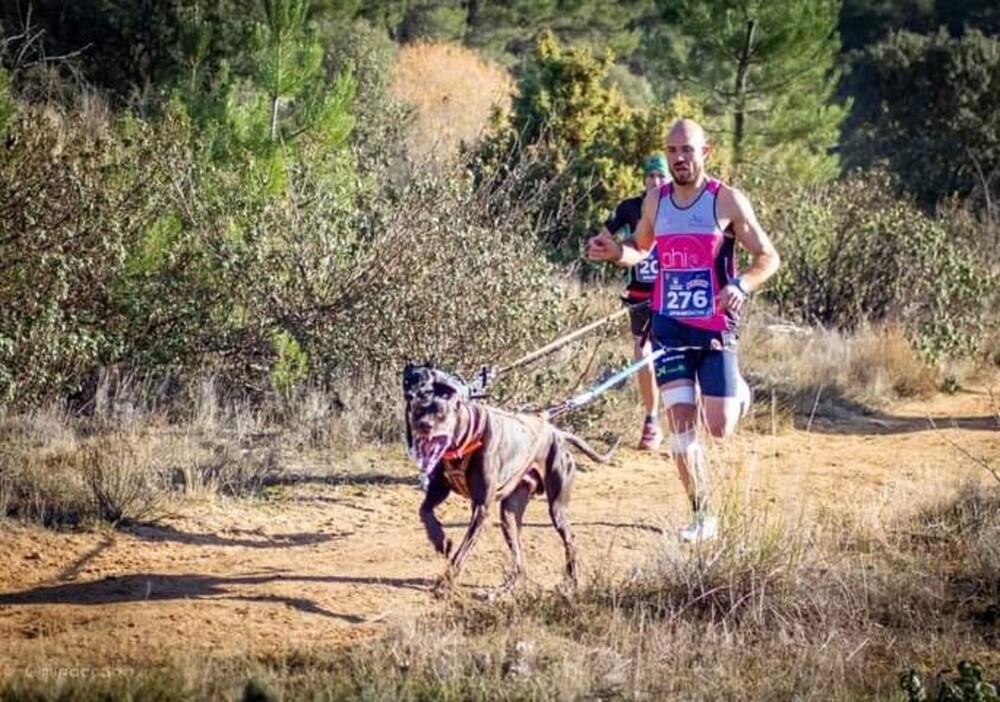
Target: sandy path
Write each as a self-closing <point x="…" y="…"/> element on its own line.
<point x="331" y="560"/>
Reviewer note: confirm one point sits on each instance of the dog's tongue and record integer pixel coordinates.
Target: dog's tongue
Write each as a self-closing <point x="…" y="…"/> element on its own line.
<point x="427" y="454"/>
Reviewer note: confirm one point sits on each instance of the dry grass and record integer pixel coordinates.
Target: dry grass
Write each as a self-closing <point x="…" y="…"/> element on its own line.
<point x="121" y="463"/>
<point x="58" y="475"/>
<point x="795" y="371"/>
<point x="143" y="440"/>
<point x="773" y="610"/>
<point x="818" y="372"/>
<point x="770" y="611"/>
<point x="139" y="446"/>
<point x="833" y="607"/>
<point x="454" y="92"/>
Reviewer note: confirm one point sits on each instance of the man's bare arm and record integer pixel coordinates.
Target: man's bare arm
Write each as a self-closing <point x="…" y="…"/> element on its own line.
<point x="735" y="207"/>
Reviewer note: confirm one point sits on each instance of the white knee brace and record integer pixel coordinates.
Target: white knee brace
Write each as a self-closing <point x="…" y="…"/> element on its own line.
<point x="682" y="395"/>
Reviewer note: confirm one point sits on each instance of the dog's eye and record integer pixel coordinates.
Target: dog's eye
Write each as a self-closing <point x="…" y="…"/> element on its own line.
<point x="418" y="393"/>
<point x="445" y="391"/>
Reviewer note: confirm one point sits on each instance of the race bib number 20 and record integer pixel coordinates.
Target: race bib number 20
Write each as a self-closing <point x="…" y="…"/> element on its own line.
<point x="687" y="293"/>
<point x="645" y="270"/>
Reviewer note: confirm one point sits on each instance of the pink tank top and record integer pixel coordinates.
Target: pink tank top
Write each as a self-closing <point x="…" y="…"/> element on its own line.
<point x="696" y="260"/>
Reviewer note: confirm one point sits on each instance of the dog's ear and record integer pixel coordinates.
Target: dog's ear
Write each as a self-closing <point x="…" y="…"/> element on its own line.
<point x="416" y="380"/>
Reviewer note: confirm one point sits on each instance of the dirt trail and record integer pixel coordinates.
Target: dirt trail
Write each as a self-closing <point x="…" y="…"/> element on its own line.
<point x="342" y="557"/>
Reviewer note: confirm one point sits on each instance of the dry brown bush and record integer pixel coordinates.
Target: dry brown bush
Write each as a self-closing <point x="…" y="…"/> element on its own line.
<point x="814" y="371"/>
<point x="124" y="480"/>
<point x="454" y="92"/>
<point x="123" y="462"/>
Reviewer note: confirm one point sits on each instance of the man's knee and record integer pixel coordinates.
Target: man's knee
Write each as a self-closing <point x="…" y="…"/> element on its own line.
<point x="722" y="415"/>
<point x="685" y="445"/>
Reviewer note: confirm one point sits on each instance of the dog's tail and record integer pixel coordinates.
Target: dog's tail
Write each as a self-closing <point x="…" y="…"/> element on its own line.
<point x="589" y="450"/>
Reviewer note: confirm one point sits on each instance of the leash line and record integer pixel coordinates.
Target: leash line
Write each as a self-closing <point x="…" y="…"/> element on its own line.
<point x="487" y="373"/>
<point x="593" y="393"/>
<point x="553" y="345"/>
<point x="578" y="401"/>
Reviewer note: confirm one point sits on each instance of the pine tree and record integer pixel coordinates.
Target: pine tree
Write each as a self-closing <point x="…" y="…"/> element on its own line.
<point x="273" y="96"/>
<point x="930" y="112"/>
<point x="767" y="70"/>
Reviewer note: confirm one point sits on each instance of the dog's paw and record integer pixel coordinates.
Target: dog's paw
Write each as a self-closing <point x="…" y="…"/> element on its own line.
<point x="495" y="593"/>
<point x="443" y="546"/>
<point x="442" y="587"/>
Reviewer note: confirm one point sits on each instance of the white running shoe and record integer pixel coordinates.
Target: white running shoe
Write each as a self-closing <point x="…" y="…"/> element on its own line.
<point x="703" y="527"/>
<point x="651" y="436"/>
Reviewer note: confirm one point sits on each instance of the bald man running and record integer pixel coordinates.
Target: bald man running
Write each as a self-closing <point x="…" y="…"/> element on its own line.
<point x="695" y="222"/>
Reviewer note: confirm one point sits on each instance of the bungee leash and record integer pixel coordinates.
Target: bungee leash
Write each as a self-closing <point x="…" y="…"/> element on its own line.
<point x="487" y="374"/>
<point x="593" y="393"/>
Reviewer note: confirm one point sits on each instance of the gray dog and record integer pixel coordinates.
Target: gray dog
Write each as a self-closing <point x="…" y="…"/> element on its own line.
<point x="486" y="455"/>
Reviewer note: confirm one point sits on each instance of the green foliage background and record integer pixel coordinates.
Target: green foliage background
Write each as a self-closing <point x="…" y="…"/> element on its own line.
<point x="190" y="187"/>
<point x="856" y="254"/>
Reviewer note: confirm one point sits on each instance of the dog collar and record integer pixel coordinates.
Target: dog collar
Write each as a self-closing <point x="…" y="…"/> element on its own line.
<point x="464" y="450"/>
<point x="473" y="436"/>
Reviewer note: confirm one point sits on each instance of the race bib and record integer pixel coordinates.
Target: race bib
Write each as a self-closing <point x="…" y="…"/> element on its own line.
<point x="687" y="293"/>
<point x="646" y="269"/>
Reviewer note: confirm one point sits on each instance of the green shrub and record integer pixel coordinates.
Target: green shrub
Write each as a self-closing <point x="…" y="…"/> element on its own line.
<point x="291" y="365"/>
<point x="579" y="135"/>
<point x="853" y="252"/>
<point x="969" y="686"/>
<point x="75" y="196"/>
<point x="141" y="249"/>
<point x="154" y="247"/>
<point x="6" y="104"/>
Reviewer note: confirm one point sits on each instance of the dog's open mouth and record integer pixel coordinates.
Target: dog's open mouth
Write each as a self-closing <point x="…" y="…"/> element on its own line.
<point x="427" y="451"/>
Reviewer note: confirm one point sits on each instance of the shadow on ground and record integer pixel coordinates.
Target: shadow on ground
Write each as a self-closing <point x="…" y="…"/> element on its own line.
<point x="158" y="587"/>
<point x="826" y="410"/>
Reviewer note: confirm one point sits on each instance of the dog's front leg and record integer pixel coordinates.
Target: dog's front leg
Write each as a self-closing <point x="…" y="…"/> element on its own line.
<point x="437" y="492"/>
<point x="481" y="494"/>
<point x="457" y="562"/>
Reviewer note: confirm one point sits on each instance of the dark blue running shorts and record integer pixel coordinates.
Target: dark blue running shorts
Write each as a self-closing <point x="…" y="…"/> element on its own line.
<point x="706" y="357"/>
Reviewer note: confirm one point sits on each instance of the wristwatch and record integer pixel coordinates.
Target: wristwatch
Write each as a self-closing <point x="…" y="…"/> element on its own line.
<point x="741" y="285"/>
